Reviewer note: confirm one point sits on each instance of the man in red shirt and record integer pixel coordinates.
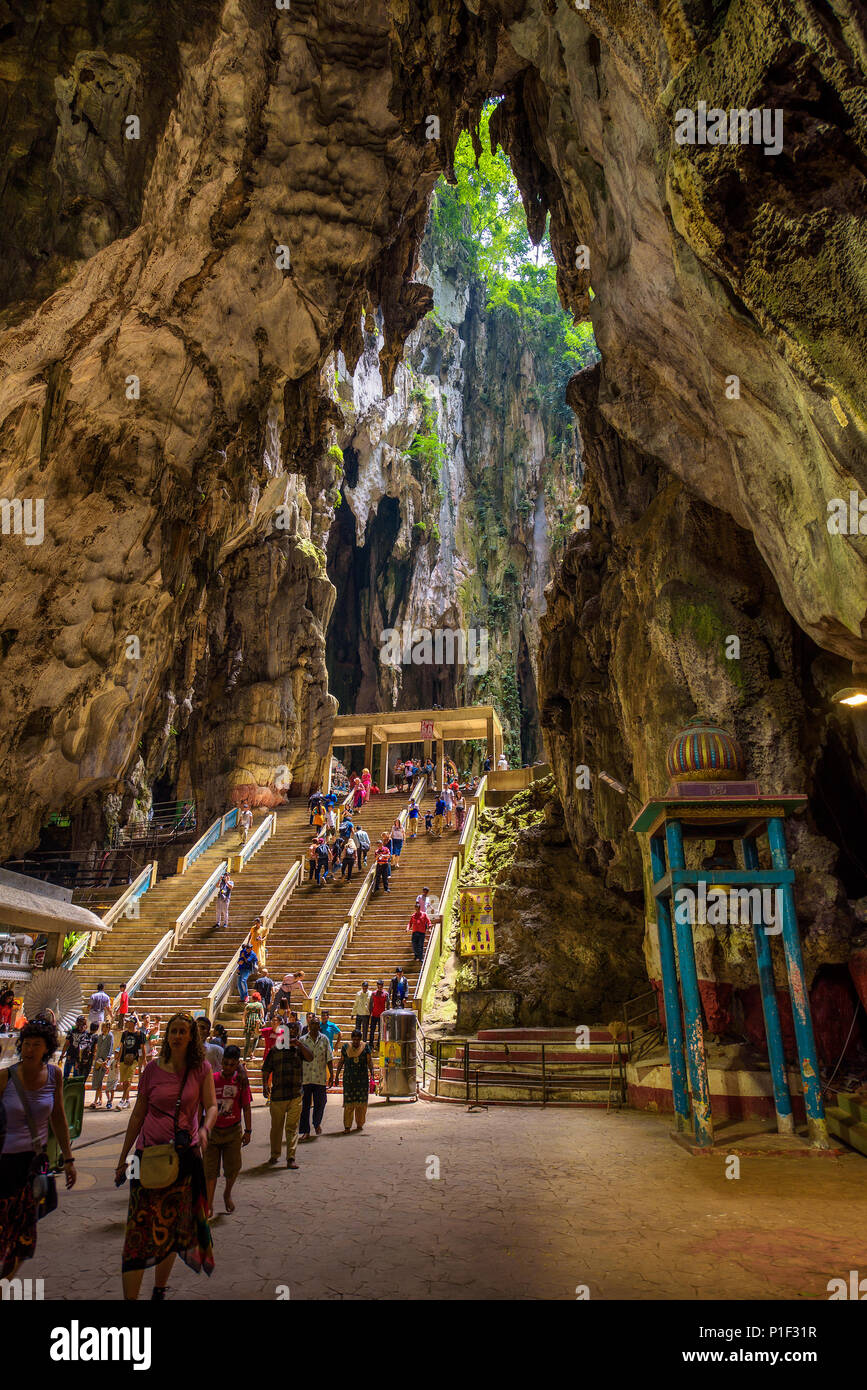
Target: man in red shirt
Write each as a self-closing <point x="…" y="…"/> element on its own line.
<point x="232" y="1086"/>
<point x="378" y="1006"/>
<point x="383" y="862"/>
<point x="418" y="925"/>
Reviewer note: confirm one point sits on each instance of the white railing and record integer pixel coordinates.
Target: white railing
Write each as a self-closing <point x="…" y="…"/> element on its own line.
<point x="214" y="1002"/>
<point x="434" y="948"/>
<point x="210" y="837"/>
<point x="137" y="889"/>
<point x="197" y="904"/>
<point x="257" y="840"/>
<point x="347" y="931"/>
<point x="161" y="949"/>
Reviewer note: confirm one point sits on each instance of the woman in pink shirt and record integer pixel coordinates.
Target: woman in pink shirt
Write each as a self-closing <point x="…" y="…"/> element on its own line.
<point x="168" y="1221"/>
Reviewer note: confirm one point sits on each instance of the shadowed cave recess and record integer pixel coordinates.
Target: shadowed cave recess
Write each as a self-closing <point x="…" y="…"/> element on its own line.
<point x="300" y="390"/>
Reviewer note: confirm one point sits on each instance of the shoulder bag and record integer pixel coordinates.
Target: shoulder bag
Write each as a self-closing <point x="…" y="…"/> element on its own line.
<point x="41" y="1179"/>
<point x="160" y="1163"/>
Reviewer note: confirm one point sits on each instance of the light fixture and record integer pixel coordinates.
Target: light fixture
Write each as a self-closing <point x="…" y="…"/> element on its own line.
<point x="850" y="695"/>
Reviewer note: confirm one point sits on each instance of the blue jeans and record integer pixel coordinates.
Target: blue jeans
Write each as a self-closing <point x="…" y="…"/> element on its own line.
<point x="243" y="977"/>
<point x="317" y="1096"/>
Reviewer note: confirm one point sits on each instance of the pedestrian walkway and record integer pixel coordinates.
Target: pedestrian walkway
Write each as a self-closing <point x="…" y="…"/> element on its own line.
<point x="525" y="1206"/>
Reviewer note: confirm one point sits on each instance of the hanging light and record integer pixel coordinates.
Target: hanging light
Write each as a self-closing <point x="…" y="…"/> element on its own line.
<point x="851" y="695"/>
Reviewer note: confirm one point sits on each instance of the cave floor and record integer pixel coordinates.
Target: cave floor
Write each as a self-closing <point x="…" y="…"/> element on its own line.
<point x="529" y="1204"/>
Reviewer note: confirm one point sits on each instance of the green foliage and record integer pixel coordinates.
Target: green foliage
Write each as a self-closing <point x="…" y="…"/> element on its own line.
<point x="435" y="533"/>
<point x="419" y="532"/>
<point x="430" y="452"/>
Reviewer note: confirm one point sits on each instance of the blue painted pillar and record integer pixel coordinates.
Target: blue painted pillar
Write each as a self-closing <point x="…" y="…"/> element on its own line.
<point x="695" y="1054"/>
<point x="816" y="1124"/>
<point x="671" y="997"/>
<point x="773" y="1031"/>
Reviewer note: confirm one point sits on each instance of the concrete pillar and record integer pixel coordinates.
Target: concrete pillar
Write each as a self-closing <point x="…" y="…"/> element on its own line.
<point x="441" y="761"/>
<point x="428" y="746"/>
<point x="368" y="748"/>
<point x="696" y="1059"/>
<point x="770" y="1009"/>
<point x="673" y="1023"/>
<point x="816" y="1124"/>
<point x="384" y="746"/>
<point x="490" y="739"/>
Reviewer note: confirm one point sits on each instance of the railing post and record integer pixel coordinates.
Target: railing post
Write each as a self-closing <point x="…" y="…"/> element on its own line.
<point x="544" y="1077"/>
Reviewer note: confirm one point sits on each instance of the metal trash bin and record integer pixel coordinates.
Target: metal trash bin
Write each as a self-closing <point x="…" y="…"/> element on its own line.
<point x="73" y="1104"/>
<point x="398" y="1054"/>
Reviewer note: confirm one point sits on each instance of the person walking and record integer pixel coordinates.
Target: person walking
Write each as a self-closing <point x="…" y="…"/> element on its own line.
<point x="102" y="1055"/>
<point x="366" y="782"/>
<point x="417" y="927"/>
<point x="398" y="834"/>
<point x="31" y="1098"/>
<point x="170" y="1219"/>
<point x="245" y="821"/>
<point x="361" y="1009"/>
<point x="224" y="893"/>
<point x="254" y="1019"/>
<point x="449" y="801"/>
<point x="397" y="993"/>
<point x="428" y="821"/>
<point x="99" y="1005"/>
<point x="460" y="810"/>
<point x="439" y="812"/>
<point x="233" y="1094"/>
<point x="122" y="1006"/>
<point x="347" y="864"/>
<point x="312" y="856"/>
<point x="282" y="1080"/>
<point x="318" y="821"/>
<point x="362" y="839"/>
<point x="258" y="942"/>
<point x="213" y="1049"/>
<point x="356" y="1064"/>
<point x="292" y="980"/>
<point x="318" y="1075"/>
<point x="71" y="1053"/>
<point x="413" y="818"/>
<point x="314" y="801"/>
<point x="265" y="987"/>
<point x="323" y="862"/>
<point x="329" y="1028"/>
<point x="383" y="863"/>
<point x="247" y="963"/>
<point x="131" y="1046"/>
<point x="399" y="775"/>
<point x="378" y="1006"/>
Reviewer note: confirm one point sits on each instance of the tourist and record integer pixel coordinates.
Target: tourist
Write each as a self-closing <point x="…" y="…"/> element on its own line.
<point x="424" y="900"/>
<point x="122" y="1006"/>
<point x="460" y="810"/>
<point x="383" y="863"/>
<point x="151" y="1030"/>
<point x="312" y="855"/>
<point x="488" y="764"/>
<point x="399" y="775"/>
<point x="329" y="1028"/>
<point x="318" y="1074"/>
<point x="439" y="812"/>
<point x="224" y="893"/>
<point x="72" y="1046"/>
<point x="254" y="1018"/>
<point x="398" y="835"/>
<point x="258" y="941"/>
<point x="318" y="821"/>
<point x="448" y="804"/>
<point x="428" y="821"/>
<point x="397" y="993"/>
<point x="7" y="1005"/>
<point x="323" y="862"/>
<point x="413" y="819"/>
<point x="247" y="963"/>
<point x="112" y="1077"/>
<point x="361" y="1009"/>
<point x="430" y="774"/>
<point x="212" y="1051"/>
<point x="131" y="1047"/>
<point x="31" y="1097"/>
<point x="346" y="825"/>
<point x="314" y="801"/>
<point x="99" y="1005"/>
<point x="330" y="822"/>
<point x="269" y="1036"/>
<point x="282" y="1080"/>
<point x="358" y="797"/>
<point x="378" y="1006"/>
<point x="503" y="763"/>
<point x="292" y="980"/>
<point x="168" y="1220"/>
<point x="245" y="821"/>
<point x="356" y="1064"/>
<point x="362" y="839"/>
<point x="418" y="926"/>
<point x="336" y="857"/>
<point x="233" y="1094"/>
<point x="265" y="988"/>
<point x="102" y="1055"/>
<point x="366" y="782"/>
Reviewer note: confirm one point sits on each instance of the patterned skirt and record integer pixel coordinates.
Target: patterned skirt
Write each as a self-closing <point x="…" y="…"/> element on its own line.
<point x="170" y="1220"/>
<point x="17" y="1212"/>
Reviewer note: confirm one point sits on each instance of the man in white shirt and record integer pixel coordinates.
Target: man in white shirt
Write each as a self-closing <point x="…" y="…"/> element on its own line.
<point x="316" y="1076"/>
<point x="246" y="821"/>
<point x="361" y="1009"/>
<point x="99" y="1006"/>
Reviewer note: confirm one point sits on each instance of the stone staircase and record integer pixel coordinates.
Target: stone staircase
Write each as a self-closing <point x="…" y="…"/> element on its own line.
<point x="184" y="978"/>
<point x="510" y="1068"/>
<point x="381" y="941"/>
<point x="847" y="1118"/>
<point x="122" y="950"/>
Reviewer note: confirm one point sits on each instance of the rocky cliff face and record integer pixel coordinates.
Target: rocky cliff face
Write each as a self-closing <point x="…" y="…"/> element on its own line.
<point x="273" y="207"/>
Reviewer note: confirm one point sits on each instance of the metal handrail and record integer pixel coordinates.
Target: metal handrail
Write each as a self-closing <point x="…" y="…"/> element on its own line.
<point x="198" y="902"/>
<point x="211" y="835"/>
<point x="347" y="931"/>
<point x="137" y="889"/>
<point x="214" y="1002"/>
<point x="162" y="948"/>
<point x="468" y="834"/>
<point x="557" y="1073"/>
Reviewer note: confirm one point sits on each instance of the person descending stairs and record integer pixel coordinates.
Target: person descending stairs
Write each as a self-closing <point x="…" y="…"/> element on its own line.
<point x="381" y="941"/>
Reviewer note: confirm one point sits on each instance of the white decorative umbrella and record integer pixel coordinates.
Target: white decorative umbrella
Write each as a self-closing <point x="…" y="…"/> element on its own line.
<point x="56" y="989"/>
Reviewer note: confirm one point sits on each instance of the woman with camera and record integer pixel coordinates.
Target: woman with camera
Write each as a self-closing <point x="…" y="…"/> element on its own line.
<point x="31" y="1094"/>
<point x="168" y="1201"/>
